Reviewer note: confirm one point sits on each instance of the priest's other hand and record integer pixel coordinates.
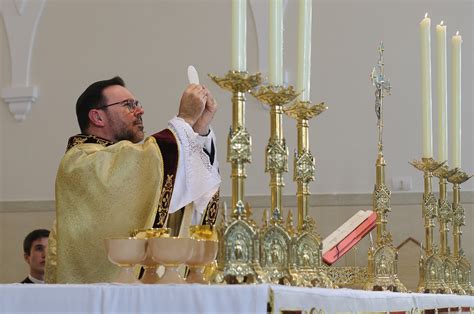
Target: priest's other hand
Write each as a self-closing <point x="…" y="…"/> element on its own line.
<point x="202" y="124"/>
<point x="193" y="103"/>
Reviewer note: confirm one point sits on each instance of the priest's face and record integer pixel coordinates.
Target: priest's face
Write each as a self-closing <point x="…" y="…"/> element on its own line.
<point x="124" y="115"/>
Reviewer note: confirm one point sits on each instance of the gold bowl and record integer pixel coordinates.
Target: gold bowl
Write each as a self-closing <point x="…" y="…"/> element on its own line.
<point x="150" y="233"/>
<point x="205" y="232"/>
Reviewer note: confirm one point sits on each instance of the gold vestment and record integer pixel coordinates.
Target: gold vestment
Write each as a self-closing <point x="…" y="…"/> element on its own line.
<point x="101" y="192"/>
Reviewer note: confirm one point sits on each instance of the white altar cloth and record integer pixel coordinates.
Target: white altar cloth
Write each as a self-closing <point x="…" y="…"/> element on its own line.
<point x="348" y="300"/>
<point x="115" y="298"/>
<point x="193" y="298"/>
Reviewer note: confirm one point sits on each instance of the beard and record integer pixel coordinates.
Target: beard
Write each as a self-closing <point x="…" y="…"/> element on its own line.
<point x="134" y="133"/>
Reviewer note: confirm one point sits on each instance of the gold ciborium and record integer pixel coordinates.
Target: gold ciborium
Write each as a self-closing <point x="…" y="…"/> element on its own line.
<point x="171" y="252"/>
<point x="204" y="252"/>
<point x="126" y="253"/>
<point x="150" y="267"/>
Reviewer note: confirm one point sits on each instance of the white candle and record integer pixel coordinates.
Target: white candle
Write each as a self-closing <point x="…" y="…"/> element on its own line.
<point x="239" y="35"/>
<point x="456" y="100"/>
<point x="425" y="25"/>
<point x="304" y="49"/>
<point x="441" y="92"/>
<point x="275" y="57"/>
<point x="225" y="211"/>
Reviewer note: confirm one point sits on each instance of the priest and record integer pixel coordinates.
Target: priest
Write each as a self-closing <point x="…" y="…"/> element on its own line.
<point x="110" y="181"/>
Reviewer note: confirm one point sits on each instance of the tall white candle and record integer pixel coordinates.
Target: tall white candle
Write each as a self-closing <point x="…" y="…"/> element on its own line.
<point x="304" y="49"/>
<point x="441" y="92"/>
<point x="239" y="35"/>
<point x="275" y="56"/>
<point x="456" y="100"/>
<point x="425" y="26"/>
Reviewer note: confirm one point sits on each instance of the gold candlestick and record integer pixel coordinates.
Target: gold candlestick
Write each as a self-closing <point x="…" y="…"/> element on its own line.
<point x="431" y="267"/>
<point x="444" y="217"/>
<point x="463" y="265"/>
<point x="304" y="161"/>
<point x="276" y="154"/>
<point x="239" y="142"/>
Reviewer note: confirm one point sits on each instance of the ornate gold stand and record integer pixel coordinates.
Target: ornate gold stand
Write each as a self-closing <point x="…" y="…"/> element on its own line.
<point x="239" y="250"/>
<point x="462" y="263"/>
<point x="239" y="142"/>
<point x="431" y="276"/>
<point x="383" y="258"/>
<point x="276" y="154"/>
<point x="304" y="161"/>
<point x="444" y="218"/>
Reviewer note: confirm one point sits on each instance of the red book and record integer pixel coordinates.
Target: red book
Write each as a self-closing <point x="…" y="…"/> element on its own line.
<point x="349" y="234"/>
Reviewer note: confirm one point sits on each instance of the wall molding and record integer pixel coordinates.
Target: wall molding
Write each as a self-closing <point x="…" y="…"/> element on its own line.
<point x="263" y="201"/>
<point x="20" y="18"/>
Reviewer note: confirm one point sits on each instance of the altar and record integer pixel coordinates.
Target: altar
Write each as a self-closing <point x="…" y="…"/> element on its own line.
<point x="195" y="298"/>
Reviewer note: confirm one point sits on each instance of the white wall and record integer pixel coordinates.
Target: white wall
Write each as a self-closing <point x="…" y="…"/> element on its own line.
<point x="150" y="44"/>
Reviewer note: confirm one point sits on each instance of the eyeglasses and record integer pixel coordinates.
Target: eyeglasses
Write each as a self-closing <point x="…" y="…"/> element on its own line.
<point x="131" y="104"/>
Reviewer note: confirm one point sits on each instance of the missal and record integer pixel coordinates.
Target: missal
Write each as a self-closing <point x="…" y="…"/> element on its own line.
<point x="349" y="234"/>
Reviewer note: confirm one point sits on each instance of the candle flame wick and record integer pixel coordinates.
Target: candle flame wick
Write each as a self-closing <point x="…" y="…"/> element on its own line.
<point x="442" y="22"/>
<point x="457" y="33"/>
<point x="426" y="15"/>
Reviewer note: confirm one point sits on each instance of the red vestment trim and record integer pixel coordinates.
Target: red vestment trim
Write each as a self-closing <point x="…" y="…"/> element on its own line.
<point x="169" y="151"/>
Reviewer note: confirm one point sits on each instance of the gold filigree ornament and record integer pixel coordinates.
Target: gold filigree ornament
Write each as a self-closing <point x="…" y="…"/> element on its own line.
<point x="301" y="110"/>
<point x="238" y="255"/>
<point x="347" y="277"/>
<point x="276" y="156"/>
<point x="464" y="273"/>
<point x="275" y="247"/>
<point x="382" y="267"/>
<point x="240" y="145"/>
<point x="304" y="167"/>
<point x="275" y="95"/>
<point x="433" y="275"/>
<point x="427" y="164"/>
<point x="236" y="81"/>
<point x="382" y="196"/>
<point x="306" y="258"/>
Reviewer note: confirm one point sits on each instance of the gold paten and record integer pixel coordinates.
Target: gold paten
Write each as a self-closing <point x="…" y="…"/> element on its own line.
<point x="150" y="233"/>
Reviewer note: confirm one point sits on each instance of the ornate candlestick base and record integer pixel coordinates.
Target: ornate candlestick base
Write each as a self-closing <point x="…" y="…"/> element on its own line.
<point x="306" y="258"/>
<point x="239" y="250"/>
<point x="463" y="266"/>
<point x="382" y="269"/>
<point x="382" y="266"/>
<point x="431" y="272"/>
